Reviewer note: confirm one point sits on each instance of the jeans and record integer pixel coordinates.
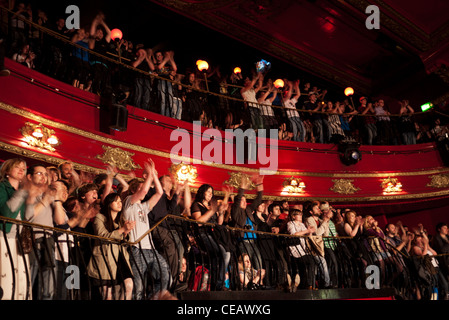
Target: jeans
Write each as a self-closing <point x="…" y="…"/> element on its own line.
<point x="144" y="261"/>
<point x="299" y="131"/>
<point x="256" y="118"/>
<point x="219" y="257"/>
<point x="176" y="111"/>
<point x="318" y="130"/>
<point x="324" y="271"/>
<point x="142" y="93"/>
<point x="165" y="95"/>
<point x="332" y="264"/>
<point x="327" y="129"/>
<point x="409" y="138"/>
<point x="371" y="130"/>
<point x="43" y="267"/>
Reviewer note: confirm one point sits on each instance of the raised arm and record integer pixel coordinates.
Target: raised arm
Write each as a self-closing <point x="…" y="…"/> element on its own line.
<point x="143" y="190"/>
<point x="158" y="189"/>
<point x="296" y="89"/>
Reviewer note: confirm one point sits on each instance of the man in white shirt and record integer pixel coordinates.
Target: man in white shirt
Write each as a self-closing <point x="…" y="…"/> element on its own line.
<point x="44" y="211"/>
<point x="144" y="257"/>
<point x="290" y="100"/>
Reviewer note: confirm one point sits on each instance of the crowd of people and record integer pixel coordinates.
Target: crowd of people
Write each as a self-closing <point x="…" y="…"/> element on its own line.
<point x="230" y="245"/>
<point x="217" y="243"/>
<point x="151" y="80"/>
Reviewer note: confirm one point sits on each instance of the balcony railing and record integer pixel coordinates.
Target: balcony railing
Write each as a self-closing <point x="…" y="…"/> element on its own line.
<point x="222" y="106"/>
<point x="202" y="257"/>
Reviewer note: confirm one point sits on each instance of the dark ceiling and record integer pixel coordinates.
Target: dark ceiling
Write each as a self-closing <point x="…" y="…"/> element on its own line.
<point x="405" y="58"/>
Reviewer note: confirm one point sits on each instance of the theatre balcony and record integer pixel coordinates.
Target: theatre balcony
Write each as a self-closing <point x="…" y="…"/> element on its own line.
<point x="106" y="111"/>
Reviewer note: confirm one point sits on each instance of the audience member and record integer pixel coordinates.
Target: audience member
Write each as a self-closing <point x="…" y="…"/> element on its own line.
<point x="205" y="209"/>
<point x="249" y="92"/>
<point x="145" y="260"/>
<point x="14" y="265"/>
<point x="406" y="124"/>
<point x="250" y="278"/>
<point x="109" y="265"/>
<point x="80" y="65"/>
<point x="303" y="263"/>
<point x="166" y="68"/>
<point x="312" y="219"/>
<point x="313" y="105"/>
<point x="290" y="101"/>
<point x="421" y="248"/>
<point x="47" y="210"/>
<point x="100" y="38"/>
<point x="440" y="243"/>
<point x="369" y="122"/>
<point x="243" y="218"/>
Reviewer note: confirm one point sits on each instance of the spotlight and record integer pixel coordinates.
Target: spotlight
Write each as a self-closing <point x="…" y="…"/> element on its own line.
<point x="349" y="152"/>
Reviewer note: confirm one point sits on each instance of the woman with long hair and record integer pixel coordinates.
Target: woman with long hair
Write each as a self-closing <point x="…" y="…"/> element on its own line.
<point x="109" y="265"/>
<point x="205" y="209"/>
<point x="13" y="205"/>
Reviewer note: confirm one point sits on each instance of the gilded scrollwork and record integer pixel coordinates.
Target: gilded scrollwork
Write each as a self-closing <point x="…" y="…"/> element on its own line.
<point x="120" y="158"/>
<point x="236" y="179"/>
<point x="344" y="186"/>
<point x="439" y="181"/>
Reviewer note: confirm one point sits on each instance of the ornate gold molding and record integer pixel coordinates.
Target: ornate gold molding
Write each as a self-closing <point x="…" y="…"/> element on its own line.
<point x="121" y="144"/>
<point x="55" y="161"/>
<point x="119" y="158"/>
<point x="344" y="186"/>
<point x="236" y="179"/>
<point x="439" y="181"/>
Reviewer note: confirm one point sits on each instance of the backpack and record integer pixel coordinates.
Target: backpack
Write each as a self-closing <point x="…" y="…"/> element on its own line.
<point x="199" y="281"/>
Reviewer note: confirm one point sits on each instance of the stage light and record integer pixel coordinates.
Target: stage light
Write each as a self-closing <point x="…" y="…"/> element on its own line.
<point x="202" y="65"/>
<point x="349" y="91"/>
<point x="279" y="83"/>
<point x="426" y="106"/>
<point x="116" y="34"/>
<point x="349" y="152"/>
<point x="237" y="70"/>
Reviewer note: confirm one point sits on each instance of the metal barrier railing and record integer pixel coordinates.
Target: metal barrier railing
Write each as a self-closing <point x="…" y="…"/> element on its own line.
<point x="73" y="265"/>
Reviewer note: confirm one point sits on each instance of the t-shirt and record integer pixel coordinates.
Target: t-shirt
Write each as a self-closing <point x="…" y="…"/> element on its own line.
<point x="297" y="251"/>
<point x="266" y="108"/>
<point x="138" y="212"/>
<point x="379" y="111"/>
<point x="309" y="105"/>
<point x="249" y="226"/>
<point x="250" y="97"/>
<point x="44" y="218"/>
<point x="290" y="104"/>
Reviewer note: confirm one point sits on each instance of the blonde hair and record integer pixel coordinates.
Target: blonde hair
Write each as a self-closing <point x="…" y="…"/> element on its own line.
<point x="366" y="223"/>
<point x="8" y="165"/>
